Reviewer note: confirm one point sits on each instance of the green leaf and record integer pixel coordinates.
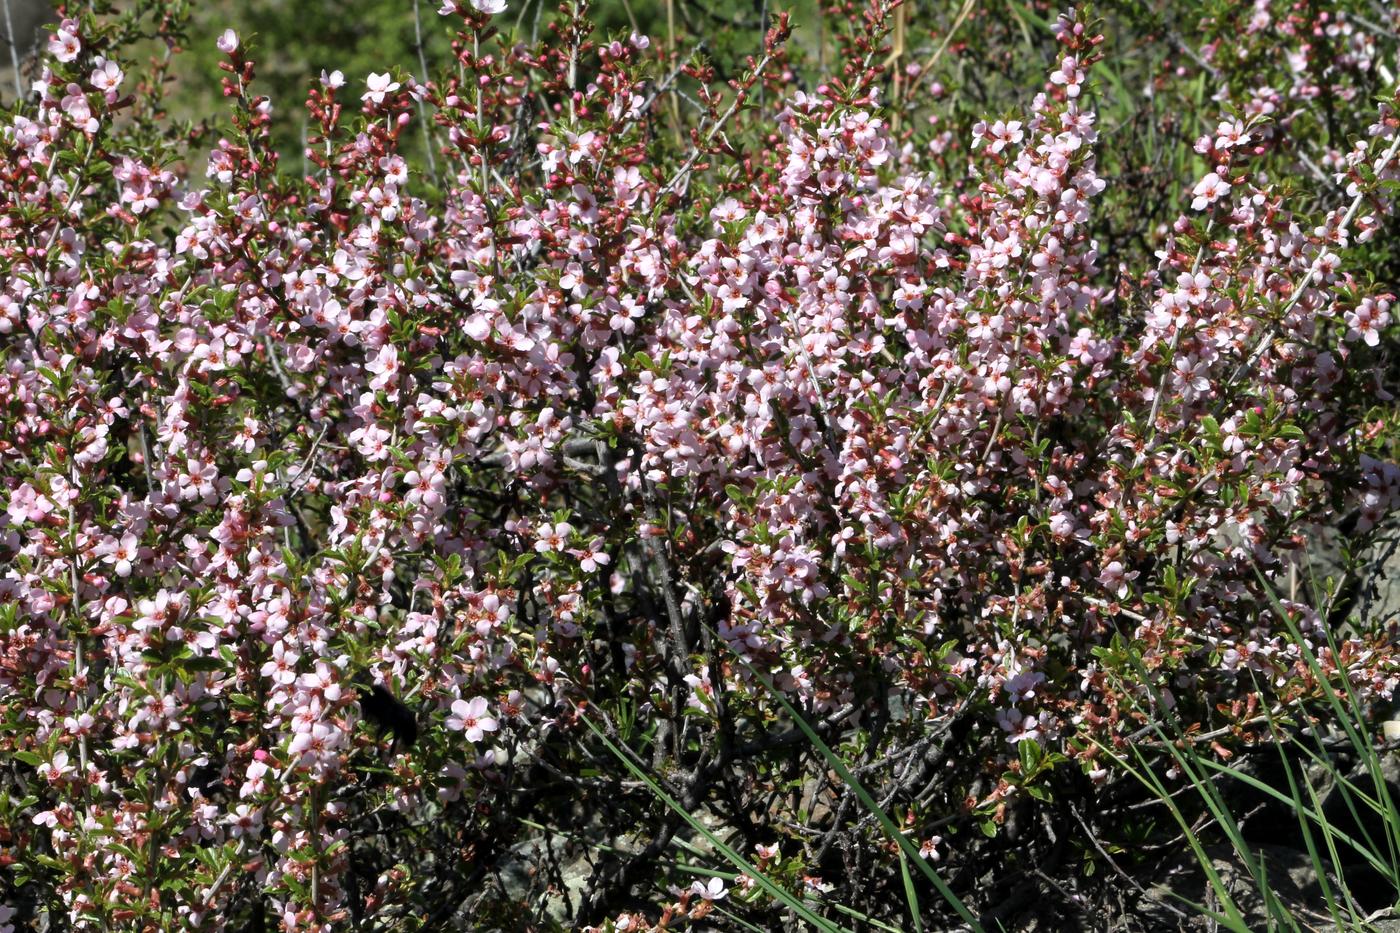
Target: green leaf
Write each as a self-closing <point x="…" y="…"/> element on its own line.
<point x="204" y="663"/>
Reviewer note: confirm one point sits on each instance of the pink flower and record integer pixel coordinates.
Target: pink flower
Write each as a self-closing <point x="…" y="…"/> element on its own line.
<point x="553" y="537"/>
<point x="228" y="42"/>
<point x="472" y="718"/>
<point x="727" y="211"/>
<point x="1115" y="578"/>
<point x="313" y="740"/>
<point x="106" y="76"/>
<point x="1230" y="133"/>
<point x="244" y="820"/>
<point x="477" y="327"/>
<point x="1208" y="190"/>
<point x="489" y="7"/>
<point x="998" y="136"/>
<point x="282" y="666"/>
<point x="119" y="552"/>
<point x="57" y="769"/>
<point x="79" y="112"/>
<point x="385" y="367"/>
<point x="64" y="44"/>
<point x="1193" y="287"/>
<point x="1367" y="320"/>
<point x="426" y="487"/>
<point x="592" y="557"/>
<point x="929" y="849"/>
<point x="1069" y="74"/>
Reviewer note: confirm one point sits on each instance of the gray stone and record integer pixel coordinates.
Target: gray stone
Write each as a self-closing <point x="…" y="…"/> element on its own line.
<point x="1373" y="575"/>
<point x="27" y="17"/>
<point x="1378" y="577"/>
<point x="1289" y="871"/>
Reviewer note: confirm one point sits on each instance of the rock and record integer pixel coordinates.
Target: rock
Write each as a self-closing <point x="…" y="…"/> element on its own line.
<point x="27" y="17"/>
<point x="552" y="899"/>
<point x="1373" y="579"/>
<point x="1378" y="577"/>
<point x="1290" y="874"/>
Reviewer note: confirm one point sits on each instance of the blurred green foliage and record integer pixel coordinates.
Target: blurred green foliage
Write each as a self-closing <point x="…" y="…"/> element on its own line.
<point x="1154" y="95"/>
<point x="293" y="41"/>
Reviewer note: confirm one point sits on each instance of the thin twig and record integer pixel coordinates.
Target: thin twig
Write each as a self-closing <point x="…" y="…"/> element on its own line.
<point x="963" y="14"/>
<point x="239" y="850"/>
<point x="76" y="614"/>
<point x="14" y="50"/>
<point x="304" y="473"/>
<point x="1093" y="840"/>
<point x="689" y="163"/>
<point x="423" y="80"/>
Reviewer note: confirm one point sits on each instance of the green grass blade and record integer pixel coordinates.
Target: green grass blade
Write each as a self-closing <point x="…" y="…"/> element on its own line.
<point x="910" y="894"/>
<point x="863" y="918"/>
<point x="1360" y="848"/>
<point x="735" y="918"/>
<point x="1347" y="717"/>
<point x="1309" y="843"/>
<point x="782" y="896"/>
<point x="863" y="795"/>
<point x="1187" y="761"/>
<point x="1233" y="919"/>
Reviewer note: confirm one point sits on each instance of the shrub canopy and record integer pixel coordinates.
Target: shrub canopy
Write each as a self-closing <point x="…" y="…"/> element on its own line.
<point x="356" y="498"/>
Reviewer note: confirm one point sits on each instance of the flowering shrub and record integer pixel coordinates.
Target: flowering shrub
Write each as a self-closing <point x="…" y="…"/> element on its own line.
<point x="337" y="500"/>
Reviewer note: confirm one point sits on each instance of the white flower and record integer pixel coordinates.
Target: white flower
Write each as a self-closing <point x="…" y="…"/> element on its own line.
<point x="379" y="86"/>
<point x="228" y="42"/>
<point x="711" y="891"/>
<point x="490" y="7"/>
<point x="334" y="80"/>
